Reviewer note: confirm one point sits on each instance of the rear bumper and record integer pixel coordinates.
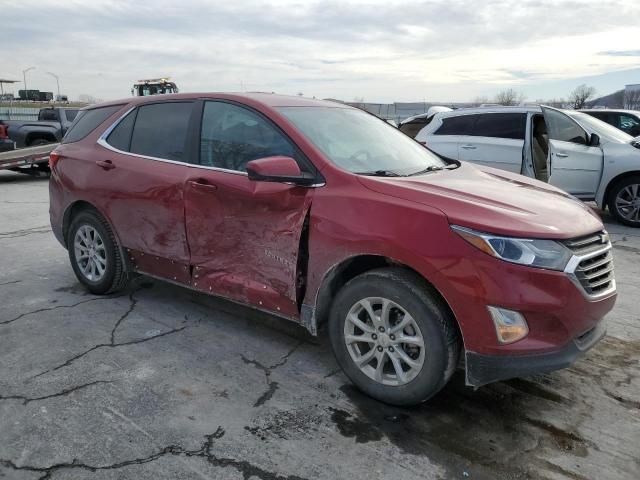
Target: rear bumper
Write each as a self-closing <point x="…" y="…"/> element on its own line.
<point x="482" y="369"/>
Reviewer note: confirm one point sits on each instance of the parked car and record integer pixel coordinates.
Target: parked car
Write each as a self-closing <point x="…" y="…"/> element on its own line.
<point x="573" y="151"/>
<point x="412" y="125"/>
<point x="626" y="120"/>
<point x="324" y="214"/>
<point x="50" y="127"/>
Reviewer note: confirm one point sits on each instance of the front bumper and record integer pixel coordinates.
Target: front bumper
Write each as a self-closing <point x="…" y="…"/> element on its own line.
<point x="482" y="369"/>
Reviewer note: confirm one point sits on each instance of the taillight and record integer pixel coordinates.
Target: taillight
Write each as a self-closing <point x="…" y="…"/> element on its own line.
<point x="3" y="131"/>
<point x="53" y="159"/>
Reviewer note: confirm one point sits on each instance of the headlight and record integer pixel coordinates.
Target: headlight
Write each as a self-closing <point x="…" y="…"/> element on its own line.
<point x="532" y="252"/>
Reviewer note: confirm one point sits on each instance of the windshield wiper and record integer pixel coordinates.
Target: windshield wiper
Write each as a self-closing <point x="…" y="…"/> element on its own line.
<point x="380" y="173"/>
<point x="431" y="168"/>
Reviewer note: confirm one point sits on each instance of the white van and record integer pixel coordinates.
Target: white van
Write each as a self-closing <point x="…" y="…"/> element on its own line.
<point x="570" y="150"/>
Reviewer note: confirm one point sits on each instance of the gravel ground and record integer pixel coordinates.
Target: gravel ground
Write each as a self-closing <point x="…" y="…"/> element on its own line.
<point x="163" y="383"/>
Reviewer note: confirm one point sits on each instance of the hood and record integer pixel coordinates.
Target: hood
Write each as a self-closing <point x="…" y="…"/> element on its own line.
<point x="494" y="201"/>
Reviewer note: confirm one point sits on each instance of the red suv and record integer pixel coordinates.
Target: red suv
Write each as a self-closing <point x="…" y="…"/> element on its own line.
<point x="321" y="213"/>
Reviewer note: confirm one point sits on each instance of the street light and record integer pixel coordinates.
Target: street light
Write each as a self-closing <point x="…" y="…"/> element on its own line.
<point x="57" y="82"/>
<point x="24" y="77"/>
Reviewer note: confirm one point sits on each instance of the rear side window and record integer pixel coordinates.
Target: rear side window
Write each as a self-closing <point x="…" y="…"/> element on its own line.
<point x="501" y="125"/>
<point x="87" y="121"/>
<point x="160" y="130"/>
<point x="460" y="125"/>
<point x="120" y="137"/>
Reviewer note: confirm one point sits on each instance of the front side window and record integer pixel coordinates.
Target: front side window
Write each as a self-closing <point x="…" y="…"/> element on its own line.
<point x="87" y="121"/>
<point x="459" y="125"/>
<point x="501" y="125"/>
<point x="160" y="130"/>
<point x="628" y="123"/>
<point x="231" y="136"/>
<point x="358" y="142"/>
<point x="562" y="128"/>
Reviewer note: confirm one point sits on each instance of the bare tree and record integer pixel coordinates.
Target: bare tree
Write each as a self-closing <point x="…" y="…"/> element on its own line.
<point x="509" y="97"/>
<point x="480" y="100"/>
<point x="581" y="95"/>
<point x="632" y="99"/>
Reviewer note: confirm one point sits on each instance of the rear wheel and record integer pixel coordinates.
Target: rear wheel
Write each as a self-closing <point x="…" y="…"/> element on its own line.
<point x="392" y="336"/>
<point x="624" y="201"/>
<point x="94" y="254"/>
<point x="39" y="141"/>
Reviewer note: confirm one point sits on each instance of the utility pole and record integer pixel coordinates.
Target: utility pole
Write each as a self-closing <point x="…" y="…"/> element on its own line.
<point x="24" y="77"/>
<point x="57" y="83"/>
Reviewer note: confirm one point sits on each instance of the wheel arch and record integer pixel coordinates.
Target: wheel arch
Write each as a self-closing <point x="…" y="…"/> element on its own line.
<point x="79" y="206"/>
<point x="33" y="136"/>
<point x="351" y="267"/>
<point x="605" y="198"/>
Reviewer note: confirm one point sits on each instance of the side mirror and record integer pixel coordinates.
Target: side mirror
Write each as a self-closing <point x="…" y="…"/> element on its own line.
<point x="594" y="140"/>
<point x="278" y="169"/>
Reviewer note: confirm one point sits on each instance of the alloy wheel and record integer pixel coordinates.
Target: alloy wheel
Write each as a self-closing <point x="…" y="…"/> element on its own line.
<point x="384" y="341"/>
<point x="628" y="202"/>
<point x="90" y="253"/>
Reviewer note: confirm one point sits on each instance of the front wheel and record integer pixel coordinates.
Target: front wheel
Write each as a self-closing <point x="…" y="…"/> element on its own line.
<point x="624" y="201"/>
<point x="393" y="337"/>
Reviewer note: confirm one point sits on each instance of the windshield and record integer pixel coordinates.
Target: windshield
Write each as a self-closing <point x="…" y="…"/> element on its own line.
<point x="604" y="130"/>
<point x="361" y="143"/>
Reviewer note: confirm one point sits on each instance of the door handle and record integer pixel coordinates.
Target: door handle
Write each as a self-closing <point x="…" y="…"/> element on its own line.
<point x="202" y="184"/>
<point x="562" y="155"/>
<point x="105" y="164"/>
<point x="468" y="147"/>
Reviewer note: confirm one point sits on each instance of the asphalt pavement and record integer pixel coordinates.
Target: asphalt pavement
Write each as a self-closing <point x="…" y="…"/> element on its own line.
<point x="159" y="382"/>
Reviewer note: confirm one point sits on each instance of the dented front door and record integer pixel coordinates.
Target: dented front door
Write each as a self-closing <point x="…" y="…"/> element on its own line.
<point x="244" y="238"/>
<point x="243" y="235"/>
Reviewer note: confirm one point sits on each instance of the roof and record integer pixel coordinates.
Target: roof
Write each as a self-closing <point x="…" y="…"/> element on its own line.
<point x="500" y="109"/>
<point x="267" y="99"/>
<point x="614" y="110"/>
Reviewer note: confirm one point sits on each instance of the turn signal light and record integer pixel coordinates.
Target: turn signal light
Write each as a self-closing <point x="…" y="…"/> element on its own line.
<point x="510" y="325"/>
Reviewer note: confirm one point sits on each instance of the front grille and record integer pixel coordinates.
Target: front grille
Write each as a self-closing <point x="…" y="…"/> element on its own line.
<point x="595" y="271"/>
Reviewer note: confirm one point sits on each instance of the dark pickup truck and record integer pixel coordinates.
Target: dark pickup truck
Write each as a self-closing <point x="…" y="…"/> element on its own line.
<point x="50" y="127"/>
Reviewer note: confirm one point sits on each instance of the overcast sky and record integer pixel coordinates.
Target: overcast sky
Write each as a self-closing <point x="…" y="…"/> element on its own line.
<point x="382" y="51"/>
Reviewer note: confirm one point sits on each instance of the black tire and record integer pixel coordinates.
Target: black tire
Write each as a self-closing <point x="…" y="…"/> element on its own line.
<point x="39" y="141"/>
<point x="115" y="276"/>
<point x="439" y="331"/>
<point x="613" y="194"/>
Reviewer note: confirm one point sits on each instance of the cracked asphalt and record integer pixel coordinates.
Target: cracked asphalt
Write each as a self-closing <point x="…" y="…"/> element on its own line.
<point x="159" y="382"/>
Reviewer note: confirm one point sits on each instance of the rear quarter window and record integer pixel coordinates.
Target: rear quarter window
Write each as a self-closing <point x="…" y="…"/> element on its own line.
<point x="87" y="121"/>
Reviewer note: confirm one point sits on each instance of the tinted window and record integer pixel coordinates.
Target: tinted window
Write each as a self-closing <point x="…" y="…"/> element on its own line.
<point x="501" y="125"/>
<point x="161" y="129"/>
<point x="70" y="115"/>
<point x="231" y="136"/>
<point x="120" y="137"/>
<point x="563" y="128"/>
<point x="48" y="115"/>
<point x="87" y="121"/>
<point x="460" y="125"/>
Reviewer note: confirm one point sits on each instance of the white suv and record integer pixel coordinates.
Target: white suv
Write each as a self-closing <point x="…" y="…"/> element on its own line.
<point x="570" y="150"/>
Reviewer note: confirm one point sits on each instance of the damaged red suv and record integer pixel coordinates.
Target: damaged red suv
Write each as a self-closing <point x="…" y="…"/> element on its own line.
<point x="323" y="214"/>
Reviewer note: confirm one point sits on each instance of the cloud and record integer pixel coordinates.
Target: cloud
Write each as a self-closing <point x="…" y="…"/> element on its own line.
<point x="380" y="49"/>
<point x="621" y="53"/>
